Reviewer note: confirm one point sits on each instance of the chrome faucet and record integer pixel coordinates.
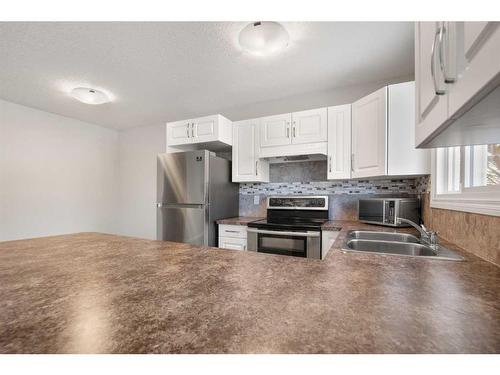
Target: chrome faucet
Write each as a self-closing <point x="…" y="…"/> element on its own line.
<point x="426" y="236"/>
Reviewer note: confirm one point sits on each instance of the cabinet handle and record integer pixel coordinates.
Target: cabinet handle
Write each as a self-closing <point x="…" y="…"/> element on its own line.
<point x="288" y="130"/>
<point x="294" y="129"/>
<point x="330" y="164"/>
<point x="192" y="130"/>
<point x="438" y="37"/>
<point x="187" y="129"/>
<point x="442" y="56"/>
<point x="256" y="166"/>
<point x="352" y="162"/>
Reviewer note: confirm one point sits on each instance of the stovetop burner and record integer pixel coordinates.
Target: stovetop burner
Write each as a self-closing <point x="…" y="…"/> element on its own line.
<point x="294" y="213"/>
<point x="290" y="224"/>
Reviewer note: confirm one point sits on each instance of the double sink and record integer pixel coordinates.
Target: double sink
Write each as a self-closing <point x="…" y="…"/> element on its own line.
<point x="395" y="244"/>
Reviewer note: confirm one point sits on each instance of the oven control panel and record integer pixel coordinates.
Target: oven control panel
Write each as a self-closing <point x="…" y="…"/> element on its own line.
<point x="297" y="203"/>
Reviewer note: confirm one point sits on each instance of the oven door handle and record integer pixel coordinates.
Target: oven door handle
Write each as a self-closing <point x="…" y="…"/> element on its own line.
<point x="280" y="233"/>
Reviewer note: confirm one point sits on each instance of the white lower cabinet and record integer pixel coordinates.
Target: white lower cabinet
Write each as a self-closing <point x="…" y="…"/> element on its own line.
<point x="328" y="237"/>
<point x="233" y="237"/>
<point x="233" y="243"/>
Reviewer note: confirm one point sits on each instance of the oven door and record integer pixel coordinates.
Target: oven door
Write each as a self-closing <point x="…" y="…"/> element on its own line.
<point x="300" y="244"/>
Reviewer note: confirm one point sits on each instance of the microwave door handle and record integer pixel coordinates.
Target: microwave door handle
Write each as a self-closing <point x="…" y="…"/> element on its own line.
<point x="384" y="214"/>
<point x="279" y="233"/>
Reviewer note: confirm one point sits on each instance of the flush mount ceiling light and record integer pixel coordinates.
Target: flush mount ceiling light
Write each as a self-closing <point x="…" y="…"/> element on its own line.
<point x="89" y="96"/>
<point x="263" y="38"/>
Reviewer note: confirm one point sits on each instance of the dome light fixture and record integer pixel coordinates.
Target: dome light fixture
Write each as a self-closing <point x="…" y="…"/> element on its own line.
<point x="89" y="96"/>
<point x="263" y="38"/>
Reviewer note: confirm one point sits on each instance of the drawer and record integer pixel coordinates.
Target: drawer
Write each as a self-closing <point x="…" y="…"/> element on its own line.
<point x="233" y="243"/>
<point x="236" y="231"/>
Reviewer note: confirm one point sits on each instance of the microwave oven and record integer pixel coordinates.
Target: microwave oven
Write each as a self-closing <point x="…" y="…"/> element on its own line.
<point x="385" y="211"/>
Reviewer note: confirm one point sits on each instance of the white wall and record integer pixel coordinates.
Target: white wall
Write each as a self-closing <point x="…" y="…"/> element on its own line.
<point x="137" y="152"/>
<point x="317" y="99"/>
<point x="57" y="175"/>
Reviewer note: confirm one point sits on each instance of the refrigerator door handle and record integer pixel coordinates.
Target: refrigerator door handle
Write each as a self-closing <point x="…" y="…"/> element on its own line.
<point x="180" y="205"/>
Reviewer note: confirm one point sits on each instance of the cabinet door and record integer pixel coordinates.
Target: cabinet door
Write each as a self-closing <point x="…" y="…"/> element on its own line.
<point x="275" y="130"/>
<point x="179" y="133"/>
<point x="402" y="156"/>
<point x="431" y="101"/>
<point x="309" y="126"/>
<point x="246" y="164"/>
<point x="339" y="142"/>
<point x="245" y="150"/>
<point x="478" y="61"/>
<point x="233" y="243"/>
<point x="205" y="129"/>
<point x="369" y="127"/>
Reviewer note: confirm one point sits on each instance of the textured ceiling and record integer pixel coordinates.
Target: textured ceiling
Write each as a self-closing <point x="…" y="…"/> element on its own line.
<point x="168" y="71"/>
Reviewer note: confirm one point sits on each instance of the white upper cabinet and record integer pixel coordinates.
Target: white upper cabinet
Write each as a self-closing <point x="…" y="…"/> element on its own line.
<point x="402" y="156"/>
<point x="205" y="129"/>
<point x="297" y="133"/>
<point x="383" y="142"/>
<point x="431" y="103"/>
<point x="339" y="142"/>
<point x="210" y="132"/>
<point x="276" y="130"/>
<point x="477" y="58"/>
<point x="246" y="164"/>
<point x="369" y="118"/>
<point x="294" y="128"/>
<point x="457" y="73"/>
<point x="309" y="126"/>
<point x="179" y="132"/>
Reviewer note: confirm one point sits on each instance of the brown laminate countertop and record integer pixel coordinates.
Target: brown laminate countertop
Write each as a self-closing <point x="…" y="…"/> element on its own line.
<point x="239" y="220"/>
<point x="99" y="293"/>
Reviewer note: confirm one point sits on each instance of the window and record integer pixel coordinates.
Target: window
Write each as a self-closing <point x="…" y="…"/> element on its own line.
<point x="467" y="178"/>
<point x="482" y="166"/>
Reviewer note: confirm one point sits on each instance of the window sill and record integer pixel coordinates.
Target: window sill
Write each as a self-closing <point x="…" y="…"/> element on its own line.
<point x="460" y="203"/>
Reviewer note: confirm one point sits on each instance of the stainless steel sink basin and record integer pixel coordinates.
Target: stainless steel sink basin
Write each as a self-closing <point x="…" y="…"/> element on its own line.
<point x="395" y="244"/>
<point x="381" y="236"/>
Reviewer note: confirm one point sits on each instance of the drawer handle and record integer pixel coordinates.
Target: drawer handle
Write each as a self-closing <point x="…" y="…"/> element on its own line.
<point x="232" y="231"/>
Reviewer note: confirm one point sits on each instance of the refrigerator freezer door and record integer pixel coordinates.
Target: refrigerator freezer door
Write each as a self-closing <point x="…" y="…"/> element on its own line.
<point x="182" y="223"/>
<point x="182" y="177"/>
<point x="223" y="195"/>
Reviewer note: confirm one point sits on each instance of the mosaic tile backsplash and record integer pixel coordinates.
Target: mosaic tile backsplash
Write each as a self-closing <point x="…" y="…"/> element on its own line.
<point x="388" y="186"/>
<point x="309" y="179"/>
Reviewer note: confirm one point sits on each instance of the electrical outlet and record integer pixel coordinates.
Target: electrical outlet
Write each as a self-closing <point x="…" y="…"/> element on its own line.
<point x="256" y="199"/>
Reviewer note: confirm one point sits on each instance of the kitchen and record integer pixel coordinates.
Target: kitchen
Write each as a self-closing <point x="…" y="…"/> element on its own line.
<point x="343" y="203"/>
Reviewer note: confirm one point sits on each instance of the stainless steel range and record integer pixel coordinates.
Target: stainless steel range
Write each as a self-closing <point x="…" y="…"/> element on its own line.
<point x="292" y="227"/>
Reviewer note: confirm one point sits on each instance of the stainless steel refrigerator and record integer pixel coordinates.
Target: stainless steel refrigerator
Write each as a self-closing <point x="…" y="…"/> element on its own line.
<point x="194" y="189"/>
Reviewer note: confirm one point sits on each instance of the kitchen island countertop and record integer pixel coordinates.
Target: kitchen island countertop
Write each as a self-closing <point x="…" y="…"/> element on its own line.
<point x="100" y="293"/>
